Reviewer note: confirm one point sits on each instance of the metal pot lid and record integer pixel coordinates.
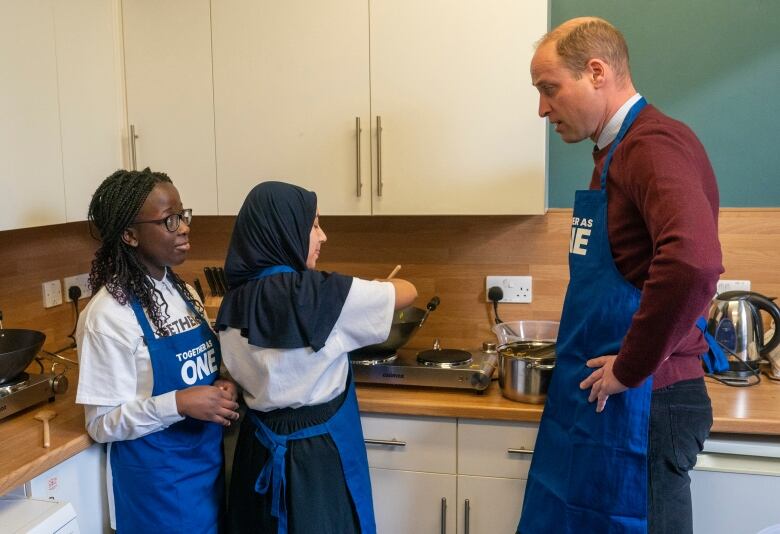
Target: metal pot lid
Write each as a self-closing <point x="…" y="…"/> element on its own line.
<point x="536" y="351"/>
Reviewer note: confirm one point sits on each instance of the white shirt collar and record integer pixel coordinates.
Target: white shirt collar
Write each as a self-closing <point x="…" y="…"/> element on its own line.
<point x="612" y="128"/>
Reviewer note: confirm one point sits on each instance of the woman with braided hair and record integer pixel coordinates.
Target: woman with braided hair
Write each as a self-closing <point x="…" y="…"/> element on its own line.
<point x="149" y="363"/>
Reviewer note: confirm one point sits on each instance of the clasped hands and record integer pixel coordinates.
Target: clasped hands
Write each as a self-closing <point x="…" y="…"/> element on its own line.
<point x="602" y="381"/>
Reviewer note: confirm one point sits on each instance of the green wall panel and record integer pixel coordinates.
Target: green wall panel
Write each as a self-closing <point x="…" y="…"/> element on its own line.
<point x="713" y="64"/>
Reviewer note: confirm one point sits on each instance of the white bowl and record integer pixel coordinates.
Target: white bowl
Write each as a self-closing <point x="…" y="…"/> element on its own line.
<point x="526" y="331"/>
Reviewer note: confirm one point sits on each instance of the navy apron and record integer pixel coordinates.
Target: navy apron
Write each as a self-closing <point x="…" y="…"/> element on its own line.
<point x="589" y="470"/>
<point x="171" y="480"/>
<point x="346" y="432"/>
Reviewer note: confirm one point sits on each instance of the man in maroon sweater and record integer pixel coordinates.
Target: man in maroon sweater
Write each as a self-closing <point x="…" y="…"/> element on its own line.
<point x="662" y="213"/>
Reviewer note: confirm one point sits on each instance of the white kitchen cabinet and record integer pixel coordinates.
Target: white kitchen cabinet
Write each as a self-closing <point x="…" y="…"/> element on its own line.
<point x="735" y="485"/>
<point x="487" y="504"/>
<point x="413" y="502"/>
<point x="475" y="465"/>
<point x="449" y="81"/>
<point x="30" y="144"/>
<point x="493" y="462"/>
<point x="81" y="481"/>
<point x="412" y="461"/>
<point x="290" y="78"/>
<point x="59" y="111"/>
<point x="460" y="133"/>
<point x="90" y="89"/>
<point x="167" y="52"/>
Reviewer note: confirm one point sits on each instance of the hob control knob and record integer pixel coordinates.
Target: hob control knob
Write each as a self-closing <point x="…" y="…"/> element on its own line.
<point x="59" y="384"/>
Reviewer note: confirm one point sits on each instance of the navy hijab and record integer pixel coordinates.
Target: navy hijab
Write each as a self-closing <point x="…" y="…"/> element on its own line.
<point x="285" y="310"/>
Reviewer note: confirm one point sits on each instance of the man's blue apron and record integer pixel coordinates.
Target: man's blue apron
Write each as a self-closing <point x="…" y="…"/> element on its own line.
<point x="171" y="480"/>
<point x="346" y="432"/>
<point x="589" y="470"/>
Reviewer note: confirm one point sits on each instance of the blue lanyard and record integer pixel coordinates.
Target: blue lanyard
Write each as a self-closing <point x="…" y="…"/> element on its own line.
<point x="274" y="269"/>
<point x="627" y="122"/>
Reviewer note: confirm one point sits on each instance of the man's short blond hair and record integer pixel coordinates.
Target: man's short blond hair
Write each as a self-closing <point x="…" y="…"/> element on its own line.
<point x="579" y="40"/>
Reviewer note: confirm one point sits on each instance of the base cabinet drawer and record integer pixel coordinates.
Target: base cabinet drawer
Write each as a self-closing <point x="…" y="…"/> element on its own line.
<point x="495" y="448"/>
<point x="411" y="443"/>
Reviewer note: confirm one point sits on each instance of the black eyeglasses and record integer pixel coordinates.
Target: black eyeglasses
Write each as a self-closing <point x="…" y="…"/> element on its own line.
<point x="172" y="221"/>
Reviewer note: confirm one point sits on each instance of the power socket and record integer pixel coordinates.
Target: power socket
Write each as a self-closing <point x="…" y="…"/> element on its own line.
<point x="515" y="288"/>
<point x="52" y="293"/>
<point x="733" y="285"/>
<point x="80" y="280"/>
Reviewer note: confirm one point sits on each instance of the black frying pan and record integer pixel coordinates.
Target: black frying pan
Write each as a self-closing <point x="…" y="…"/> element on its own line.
<point x="17" y="349"/>
<point x="405" y="325"/>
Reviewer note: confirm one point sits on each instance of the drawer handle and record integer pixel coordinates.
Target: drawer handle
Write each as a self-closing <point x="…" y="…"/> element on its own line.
<point x="520" y="451"/>
<point x="389" y="442"/>
<point x="466" y="516"/>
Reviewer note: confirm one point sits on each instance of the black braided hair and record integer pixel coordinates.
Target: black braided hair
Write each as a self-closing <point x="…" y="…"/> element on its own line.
<point x="116" y="266"/>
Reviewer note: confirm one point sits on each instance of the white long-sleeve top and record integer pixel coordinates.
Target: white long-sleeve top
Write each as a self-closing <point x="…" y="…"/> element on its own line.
<point x="115" y="370"/>
<point x="290" y="378"/>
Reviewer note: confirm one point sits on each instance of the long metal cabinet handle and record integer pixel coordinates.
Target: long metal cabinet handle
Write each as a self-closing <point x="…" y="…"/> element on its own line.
<point x="466" y="513"/>
<point x="378" y="156"/>
<point x="443" y="515"/>
<point x="133" y="137"/>
<point x="520" y="451"/>
<point x="390" y="442"/>
<point x="357" y="146"/>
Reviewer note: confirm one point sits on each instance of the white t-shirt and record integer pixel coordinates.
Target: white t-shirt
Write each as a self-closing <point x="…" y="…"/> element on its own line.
<point x="115" y="370"/>
<point x="282" y="378"/>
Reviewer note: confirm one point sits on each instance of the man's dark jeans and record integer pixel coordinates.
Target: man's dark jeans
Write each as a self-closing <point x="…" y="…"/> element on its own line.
<point x="680" y="421"/>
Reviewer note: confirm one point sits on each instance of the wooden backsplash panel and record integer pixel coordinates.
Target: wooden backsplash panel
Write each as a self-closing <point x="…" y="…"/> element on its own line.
<point x="444" y="256"/>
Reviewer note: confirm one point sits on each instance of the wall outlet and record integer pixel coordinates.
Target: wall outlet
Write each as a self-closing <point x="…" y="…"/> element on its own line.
<point x="515" y="288"/>
<point x="733" y="285"/>
<point x="80" y="280"/>
<point x="52" y="293"/>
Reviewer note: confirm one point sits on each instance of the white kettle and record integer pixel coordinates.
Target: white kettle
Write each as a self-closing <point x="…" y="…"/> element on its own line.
<point x="734" y="320"/>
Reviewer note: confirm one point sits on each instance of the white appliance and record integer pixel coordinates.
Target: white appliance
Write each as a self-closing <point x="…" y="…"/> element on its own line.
<point x="735" y="485"/>
<point x="20" y="515"/>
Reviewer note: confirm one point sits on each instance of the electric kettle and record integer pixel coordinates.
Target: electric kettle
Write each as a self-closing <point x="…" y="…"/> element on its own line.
<point x="734" y="320"/>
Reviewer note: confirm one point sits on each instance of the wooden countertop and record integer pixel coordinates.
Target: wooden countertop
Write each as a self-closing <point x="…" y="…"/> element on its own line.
<point x="21" y="437"/>
<point x="754" y="410"/>
<point x="751" y="410"/>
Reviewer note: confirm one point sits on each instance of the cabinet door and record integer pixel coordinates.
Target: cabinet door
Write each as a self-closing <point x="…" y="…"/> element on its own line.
<point x="414" y="502"/>
<point x="492" y="504"/>
<point x="290" y="78"/>
<point x="451" y="83"/>
<point x="87" y="40"/>
<point x="170" y="94"/>
<point x="30" y="147"/>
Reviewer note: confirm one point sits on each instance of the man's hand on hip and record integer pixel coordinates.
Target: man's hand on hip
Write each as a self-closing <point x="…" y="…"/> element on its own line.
<point x="602" y="381"/>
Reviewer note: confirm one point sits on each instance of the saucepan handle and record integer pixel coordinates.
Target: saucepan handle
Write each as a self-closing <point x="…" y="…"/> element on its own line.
<point x="432" y="305"/>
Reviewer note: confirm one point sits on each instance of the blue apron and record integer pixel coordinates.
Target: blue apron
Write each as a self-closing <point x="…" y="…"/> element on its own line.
<point x="171" y="480"/>
<point x="346" y="432"/>
<point x="589" y="470"/>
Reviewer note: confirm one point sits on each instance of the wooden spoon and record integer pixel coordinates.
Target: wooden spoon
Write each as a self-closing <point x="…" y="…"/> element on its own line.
<point x="394" y="272"/>
<point x="45" y="416"/>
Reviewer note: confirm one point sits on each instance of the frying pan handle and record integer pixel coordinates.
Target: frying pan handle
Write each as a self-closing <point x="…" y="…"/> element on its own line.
<point x="432" y="305"/>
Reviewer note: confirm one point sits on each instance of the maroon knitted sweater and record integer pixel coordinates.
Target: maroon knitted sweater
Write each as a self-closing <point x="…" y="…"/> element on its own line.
<point x="663" y="230"/>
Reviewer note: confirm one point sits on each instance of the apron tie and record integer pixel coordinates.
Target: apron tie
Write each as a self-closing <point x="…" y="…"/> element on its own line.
<point x="274" y="472"/>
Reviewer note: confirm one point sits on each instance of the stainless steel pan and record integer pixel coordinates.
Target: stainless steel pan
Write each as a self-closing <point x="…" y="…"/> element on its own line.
<point x="406" y="323"/>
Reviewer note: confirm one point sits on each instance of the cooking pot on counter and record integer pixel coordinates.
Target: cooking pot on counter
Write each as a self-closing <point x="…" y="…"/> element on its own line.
<point x="525" y="369"/>
<point x="526" y="359"/>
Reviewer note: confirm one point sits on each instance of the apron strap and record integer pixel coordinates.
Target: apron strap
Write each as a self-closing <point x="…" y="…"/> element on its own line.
<point x="714" y="359"/>
<point x="273" y="474"/>
<point x="274" y="269"/>
<point x="627" y="122"/>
